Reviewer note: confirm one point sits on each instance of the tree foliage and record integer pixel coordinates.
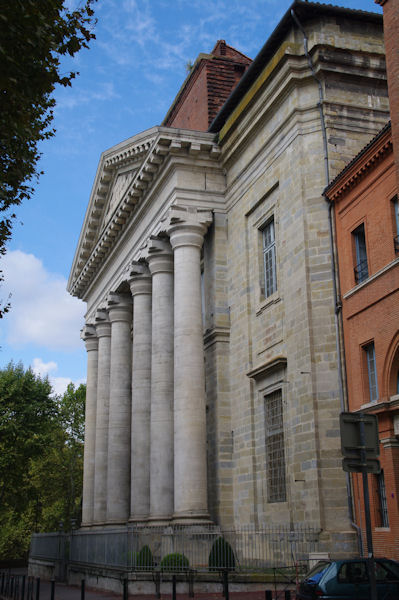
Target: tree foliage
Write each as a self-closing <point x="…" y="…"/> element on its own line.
<point x="41" y="457"/>
<point x="221" y="556"/>
<point x="34" y="36"/>
<point x="27" y="413"/>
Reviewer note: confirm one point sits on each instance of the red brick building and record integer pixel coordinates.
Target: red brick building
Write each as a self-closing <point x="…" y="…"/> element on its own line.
<point x="365" y="202"/>
<point x="367" y="228"/>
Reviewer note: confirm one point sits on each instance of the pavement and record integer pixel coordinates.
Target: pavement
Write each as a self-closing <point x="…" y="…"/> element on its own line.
<point x="63" y="591"/>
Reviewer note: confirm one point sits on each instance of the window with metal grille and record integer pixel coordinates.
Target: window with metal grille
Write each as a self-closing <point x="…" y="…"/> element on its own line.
<point x="269" y="258"/>
<point x="382" y="519"/>
<point x="371" y="371"/>
<point x="361" y="267"/>
<point x="275" y="453"/>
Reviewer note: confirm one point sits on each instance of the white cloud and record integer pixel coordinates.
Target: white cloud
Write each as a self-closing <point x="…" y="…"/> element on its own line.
<point x="137" y="35"/>
<point x="41" y="368"/>
<point x="70" y="99"/>
<point x="42" y="312"/>
<point x="59" y="384"/>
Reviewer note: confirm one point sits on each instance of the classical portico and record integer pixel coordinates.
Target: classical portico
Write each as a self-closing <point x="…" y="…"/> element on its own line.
<point x="138" y="266"/>
<point x="146" y="421"/>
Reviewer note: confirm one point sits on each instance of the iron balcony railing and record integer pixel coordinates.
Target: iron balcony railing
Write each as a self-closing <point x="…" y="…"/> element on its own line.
<point x="361" y="271"/>
<point x="182" y="548"/>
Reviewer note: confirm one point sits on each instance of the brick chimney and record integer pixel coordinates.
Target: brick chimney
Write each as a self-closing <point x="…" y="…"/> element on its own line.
<point x="391" y="38"/>
<point x="210" y="81"/>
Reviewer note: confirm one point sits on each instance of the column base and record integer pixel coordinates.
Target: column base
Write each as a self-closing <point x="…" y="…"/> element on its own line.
<point x="100" y="523"/>
<point x="114" y="523"/>
<point x="160" y="520"/>
<point x="192" y="518"/>
<point x="139" y="520"/>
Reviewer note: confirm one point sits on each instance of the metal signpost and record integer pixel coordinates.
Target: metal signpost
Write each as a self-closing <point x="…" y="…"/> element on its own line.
<point x="360" y="447"/>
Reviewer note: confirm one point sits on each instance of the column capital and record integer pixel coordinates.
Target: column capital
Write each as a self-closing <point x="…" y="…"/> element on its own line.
<point x="159" y="255"/>
<point x="139" y="278"/>
<point x="102" y="323"/>
<point x="187" y="226"/>
<point x="88" y="335"/>
<point x="119" y="307"/>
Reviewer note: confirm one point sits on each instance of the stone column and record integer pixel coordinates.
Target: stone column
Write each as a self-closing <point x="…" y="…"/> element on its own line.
<point x="103" y="330"/>
<point x="118" y="469"/>
<point x="160" y="261"/>
<point x="140" y="285"/>
<point x="91" y="342"/>
<point x="187" y="229"/>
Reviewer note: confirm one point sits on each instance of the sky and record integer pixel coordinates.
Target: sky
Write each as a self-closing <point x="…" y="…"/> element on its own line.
<point x="127" y="80"/>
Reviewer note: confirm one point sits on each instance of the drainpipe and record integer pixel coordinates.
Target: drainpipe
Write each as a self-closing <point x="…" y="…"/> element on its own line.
<point x="334" y="270"/>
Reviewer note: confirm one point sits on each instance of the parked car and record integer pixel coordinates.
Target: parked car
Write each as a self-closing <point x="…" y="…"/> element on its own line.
<point x="349" y="580"/>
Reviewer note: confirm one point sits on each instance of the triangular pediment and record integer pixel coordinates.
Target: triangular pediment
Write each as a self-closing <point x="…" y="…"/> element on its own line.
<point x="121" y="181"/>
<point x="118" y="168"/>
<point x="124" y="176"/>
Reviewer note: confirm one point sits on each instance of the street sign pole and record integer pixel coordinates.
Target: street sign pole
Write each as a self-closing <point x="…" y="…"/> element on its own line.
<point x="360" y="447"/>
<point x="369" y="535"/>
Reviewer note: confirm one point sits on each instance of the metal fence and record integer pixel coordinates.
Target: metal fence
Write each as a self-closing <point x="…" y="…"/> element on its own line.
<point x="49" y="545"/>
<point x="18" y="586"/>
<point x="181" y="548"/>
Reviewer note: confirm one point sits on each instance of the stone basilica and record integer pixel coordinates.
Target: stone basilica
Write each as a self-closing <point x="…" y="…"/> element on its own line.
<point x="214" y="380"/>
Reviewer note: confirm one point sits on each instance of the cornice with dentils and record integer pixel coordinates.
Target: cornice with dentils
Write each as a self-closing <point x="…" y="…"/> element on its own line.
<point x="148" y="152"/>
<point x="367" y="159"/>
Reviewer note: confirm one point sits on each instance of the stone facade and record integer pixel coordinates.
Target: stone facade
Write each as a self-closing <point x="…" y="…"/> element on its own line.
<point x="231" y="231"/>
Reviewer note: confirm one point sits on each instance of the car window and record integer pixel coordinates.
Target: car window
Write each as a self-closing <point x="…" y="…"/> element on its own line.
<point x="387" y="570"/>
<point x="318" y="568"/>
<point x="353" y="572"/>
<point x="381" y="573"/>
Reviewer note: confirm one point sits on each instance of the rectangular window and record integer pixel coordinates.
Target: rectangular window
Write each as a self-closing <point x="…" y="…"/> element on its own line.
<point x="381" y="519"/>
<point x="275" y="452"/>
<point x="361" y="267"/>
<point x="269" y="258"/>
<point x="371" y="372"/>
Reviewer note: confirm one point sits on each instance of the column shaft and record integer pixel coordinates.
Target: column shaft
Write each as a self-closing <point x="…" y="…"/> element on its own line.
<point x="161" y="474"/>
<point x="103" y="330"/>
<point x="118" y="471"/>
<point x="91" y="342"/>
<point x="190" y="468"/>
<point x="140" y="285"/>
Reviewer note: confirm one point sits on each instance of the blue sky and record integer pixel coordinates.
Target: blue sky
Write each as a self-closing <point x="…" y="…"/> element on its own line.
<point x="127" y="81"/>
